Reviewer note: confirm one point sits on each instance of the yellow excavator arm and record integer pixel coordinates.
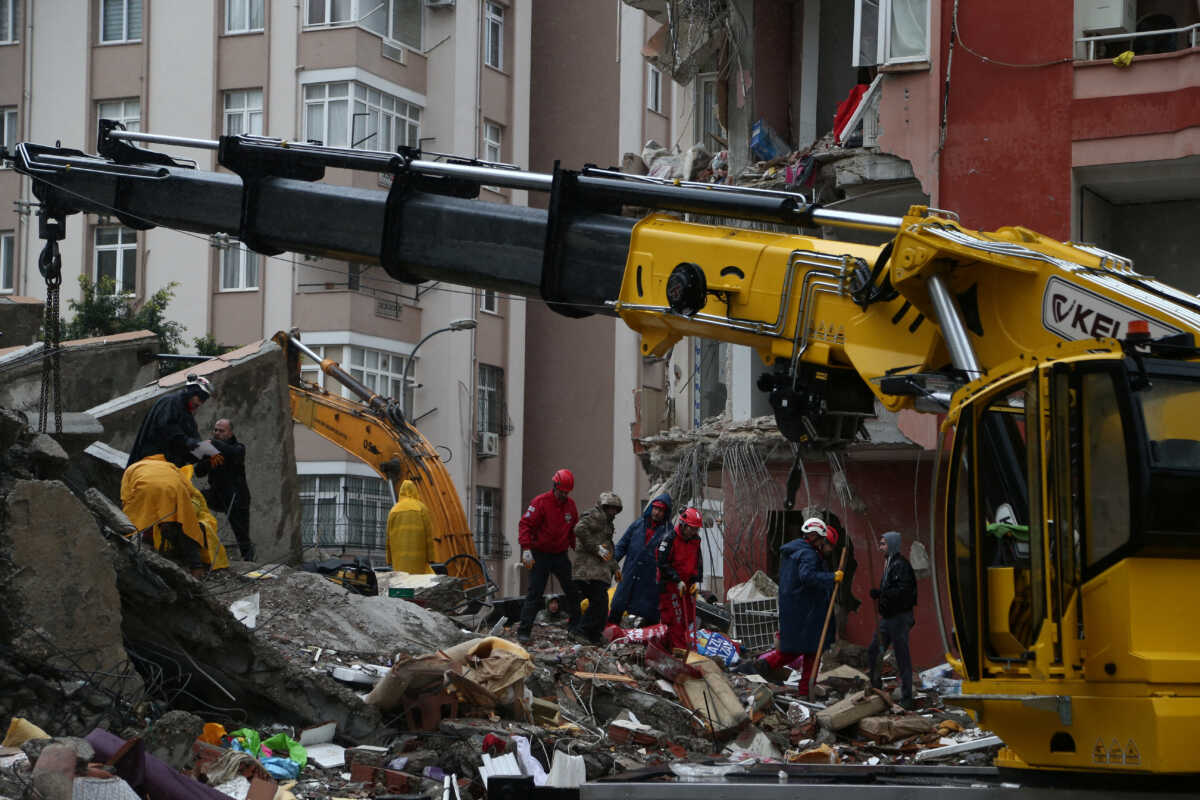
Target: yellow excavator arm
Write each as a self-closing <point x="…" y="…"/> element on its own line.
<point x="372" y="430"/>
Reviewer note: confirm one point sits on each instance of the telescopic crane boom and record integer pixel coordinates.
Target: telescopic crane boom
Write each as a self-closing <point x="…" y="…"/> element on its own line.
<point x="1068" y="382"/>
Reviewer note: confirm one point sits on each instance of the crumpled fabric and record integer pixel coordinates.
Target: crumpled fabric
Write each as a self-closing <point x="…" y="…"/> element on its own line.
<point x="217" y="557"/>
<point x="228" y="766"/>
<point x="154" y="491"/>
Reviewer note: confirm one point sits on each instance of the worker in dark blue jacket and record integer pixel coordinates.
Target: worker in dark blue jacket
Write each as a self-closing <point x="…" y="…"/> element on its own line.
<point x="637" y="580"/>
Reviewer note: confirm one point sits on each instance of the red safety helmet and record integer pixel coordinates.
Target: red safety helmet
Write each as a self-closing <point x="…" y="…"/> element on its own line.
<point x="564" y="480"/>
<point x="691" y="517"/>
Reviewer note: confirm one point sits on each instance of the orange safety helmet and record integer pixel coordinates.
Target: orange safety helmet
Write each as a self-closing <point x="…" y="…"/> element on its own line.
<point x="564" y="480"/>
<point x="691" y="517"/>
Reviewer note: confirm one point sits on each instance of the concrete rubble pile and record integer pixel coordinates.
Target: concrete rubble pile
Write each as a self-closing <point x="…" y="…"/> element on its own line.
<point x="122" y="675"/>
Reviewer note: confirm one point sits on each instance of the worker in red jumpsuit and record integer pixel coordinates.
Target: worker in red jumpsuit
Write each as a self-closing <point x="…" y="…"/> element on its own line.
<point x="546" y="532"/>
<point x="680" y="570"/>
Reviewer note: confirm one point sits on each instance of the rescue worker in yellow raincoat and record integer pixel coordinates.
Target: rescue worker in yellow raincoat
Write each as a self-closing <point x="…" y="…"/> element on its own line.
<point x="409" y="532"/>
<point x="155" y="494"/>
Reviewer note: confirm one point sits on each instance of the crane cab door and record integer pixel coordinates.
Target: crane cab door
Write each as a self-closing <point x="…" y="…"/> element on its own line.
<point x="1036" y="462"/>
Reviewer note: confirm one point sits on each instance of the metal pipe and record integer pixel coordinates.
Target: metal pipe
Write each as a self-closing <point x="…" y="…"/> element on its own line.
<point x="953" y="331"/>
<point x="856" y="219"/>
<point x="181" y="141"/>
<point x="933" y="512"/>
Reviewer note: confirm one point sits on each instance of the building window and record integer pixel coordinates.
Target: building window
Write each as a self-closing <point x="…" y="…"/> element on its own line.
<point x="243" y="112"/>
<point x="239" y="268"/>
<point x="128" y="112"/>
<point x="488" y="301"/>
<point x="398" y="20"/>
<point x="493" y="138"/>
<point x="6" y="262"/>
<point x="654" y="88"/>
<point x="379" y="121"/>
<point x="8" y="129"/>
<point x="709" y="131"/>
<point x="120" y="21"/>
<point x="890" y="32"/>
<point x="115" y="258"/>
<point x="489" y="537"/>
<point x="329" y="12"/>
<point x="491" y="400"/>
<point x="344" y="511"/>
<point x="382" y="373"/>
<point x="493" y="35"/>
<point x="8" y="21"/>
<point x="243" y="16"/>
<point x="310" y="371"/>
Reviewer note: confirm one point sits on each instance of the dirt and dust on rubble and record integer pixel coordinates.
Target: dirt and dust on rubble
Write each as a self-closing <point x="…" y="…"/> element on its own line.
<point x="121" y="674"/>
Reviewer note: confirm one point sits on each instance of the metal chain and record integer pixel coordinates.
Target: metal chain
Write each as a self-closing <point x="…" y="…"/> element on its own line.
<point x="50" y="265"/>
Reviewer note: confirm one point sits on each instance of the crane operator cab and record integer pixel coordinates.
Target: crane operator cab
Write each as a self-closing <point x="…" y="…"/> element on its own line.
<point x="1072" y="542"/>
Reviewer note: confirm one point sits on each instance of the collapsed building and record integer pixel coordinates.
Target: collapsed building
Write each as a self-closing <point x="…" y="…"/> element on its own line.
<point x="106" y="642"/>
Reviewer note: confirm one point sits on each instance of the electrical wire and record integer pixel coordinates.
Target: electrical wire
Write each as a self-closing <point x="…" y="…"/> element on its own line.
<point x="955" y="27"/>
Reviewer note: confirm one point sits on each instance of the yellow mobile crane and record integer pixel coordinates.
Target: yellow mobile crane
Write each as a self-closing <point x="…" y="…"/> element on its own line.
<point x="1068" y="382"/>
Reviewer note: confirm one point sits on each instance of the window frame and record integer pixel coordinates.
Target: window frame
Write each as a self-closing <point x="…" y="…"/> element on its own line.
<point x="13" y="21"/>
<point x="359" y="370"/>
<point x="489" y="301"/>
<point x="249" y="4"/>
<point x="130" y="123"/>
<point x="358" y="10"/>
<point x="493" y="35"/>
<point x="489" y="542"/>
<point x="883" y="36"/>
<point x="8" y="130"/>
<point x="245" y="259"/>
<point x="125" y="38"/>
<point x="491" y="142"/>
<point x="8" y="262"/>
<point x="654" y="100"/>
<point x="404" y="117"/>
<point x="247" y="112"/>
<point x="490" y="399"/>
<point x="121" y="246"/>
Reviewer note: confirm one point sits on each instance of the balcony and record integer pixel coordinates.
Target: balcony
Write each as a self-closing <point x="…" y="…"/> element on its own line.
<point x="332" y="305"/>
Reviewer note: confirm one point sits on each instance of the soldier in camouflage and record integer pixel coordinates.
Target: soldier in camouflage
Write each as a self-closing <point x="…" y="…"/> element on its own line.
<point x="594" y="565"/>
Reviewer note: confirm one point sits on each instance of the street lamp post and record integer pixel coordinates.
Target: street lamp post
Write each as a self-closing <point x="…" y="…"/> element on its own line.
<point x="456" y="325"/>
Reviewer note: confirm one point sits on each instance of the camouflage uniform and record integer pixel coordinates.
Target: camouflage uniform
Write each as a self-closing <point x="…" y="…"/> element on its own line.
<point x="593" y="574"/>
<point x="592" y="532"/>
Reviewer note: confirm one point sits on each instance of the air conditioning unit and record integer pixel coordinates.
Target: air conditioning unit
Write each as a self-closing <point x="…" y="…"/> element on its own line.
<point x="489" y="444"/>
<point x="1104" y="17"/>
<point x="439" y="3"/>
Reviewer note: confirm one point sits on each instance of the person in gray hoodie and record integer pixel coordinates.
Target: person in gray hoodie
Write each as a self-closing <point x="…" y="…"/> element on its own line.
<point x="895" y="597"/>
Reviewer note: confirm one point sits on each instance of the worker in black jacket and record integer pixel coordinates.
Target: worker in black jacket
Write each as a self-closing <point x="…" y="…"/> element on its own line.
<point x="227" y="489"/>
<point x="896" y="597"/>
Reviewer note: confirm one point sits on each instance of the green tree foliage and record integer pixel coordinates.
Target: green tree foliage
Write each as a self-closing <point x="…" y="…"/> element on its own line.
<point x="102" y="312"/>
<point x="206" y="345"/>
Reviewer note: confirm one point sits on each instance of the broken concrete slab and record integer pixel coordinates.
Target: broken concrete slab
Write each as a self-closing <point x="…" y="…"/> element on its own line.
<point x="93" y="370"/>
<point x="883" y="730"/>
<point x="20" y="320"/>
<point x="62" y="565"/>
<point x="982" y="743"/>
<point x="711" y="697"/>
<point x="850" y="710"/>
<point x="251" y="390"/>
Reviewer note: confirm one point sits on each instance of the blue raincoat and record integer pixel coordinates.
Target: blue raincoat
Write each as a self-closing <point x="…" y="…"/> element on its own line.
<point x="637" y="593"/>
<point x="805" y="587"/>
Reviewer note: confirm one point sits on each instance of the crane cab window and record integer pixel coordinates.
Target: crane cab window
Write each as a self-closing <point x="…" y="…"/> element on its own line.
<point x="1168" y="410"/>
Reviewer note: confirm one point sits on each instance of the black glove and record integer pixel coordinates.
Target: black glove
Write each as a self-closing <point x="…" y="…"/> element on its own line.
<point x="874" y="594"/>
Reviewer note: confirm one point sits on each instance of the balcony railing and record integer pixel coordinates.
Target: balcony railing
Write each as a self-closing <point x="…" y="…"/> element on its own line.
<point x="389" y="305"/>
<point x="1184" y="38"/>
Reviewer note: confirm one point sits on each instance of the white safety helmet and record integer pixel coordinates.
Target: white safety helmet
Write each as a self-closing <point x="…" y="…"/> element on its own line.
<point x="814" y="526"/>
<point x="198" y="384"/>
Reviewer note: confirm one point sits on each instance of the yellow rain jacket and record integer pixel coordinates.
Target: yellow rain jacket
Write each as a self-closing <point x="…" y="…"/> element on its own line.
<point x="410" y="532"/>
<point x="154" y="491"/>
<point x="217" y="558"/>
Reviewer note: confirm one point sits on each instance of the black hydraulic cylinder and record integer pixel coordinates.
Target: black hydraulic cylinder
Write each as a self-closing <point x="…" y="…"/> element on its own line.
<point x="442" y="238"/>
